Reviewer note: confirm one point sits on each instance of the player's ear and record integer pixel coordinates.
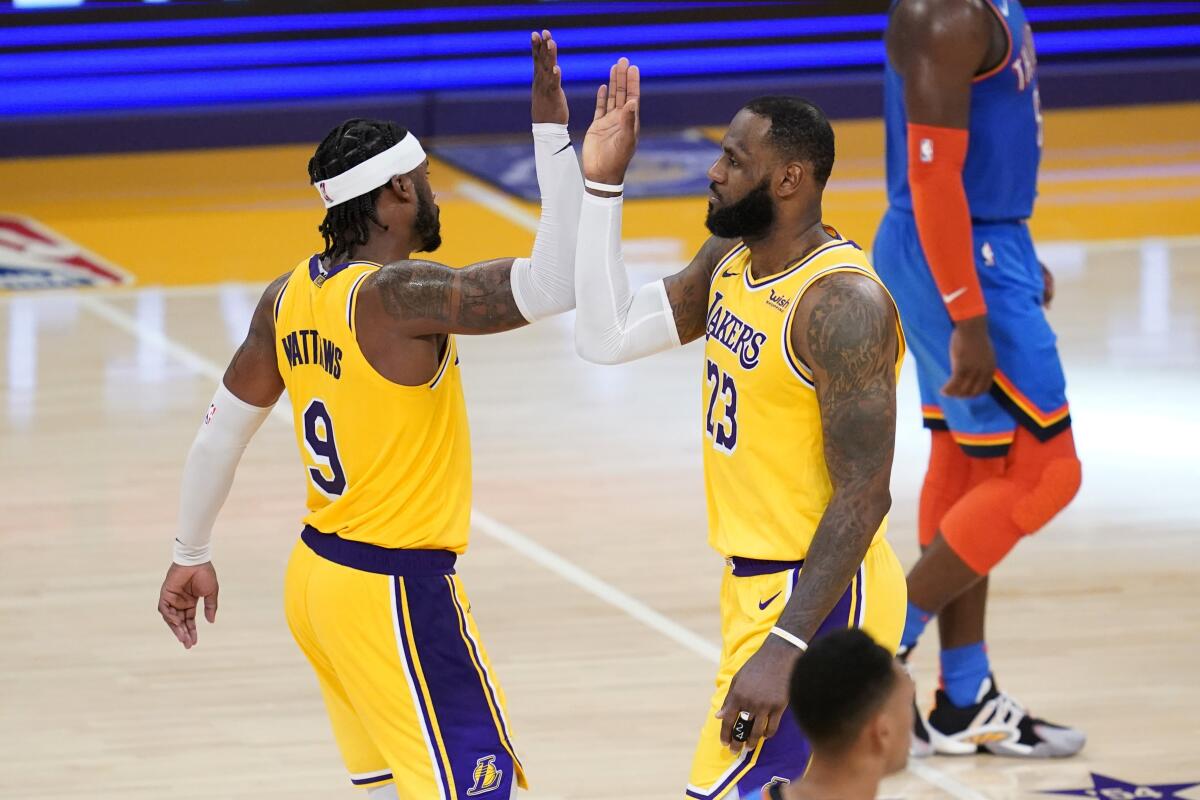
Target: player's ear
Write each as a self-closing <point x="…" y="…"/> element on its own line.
<point x="791" y="179"/>
<point x="404" y="188"/>
<point x="881" y="732"/>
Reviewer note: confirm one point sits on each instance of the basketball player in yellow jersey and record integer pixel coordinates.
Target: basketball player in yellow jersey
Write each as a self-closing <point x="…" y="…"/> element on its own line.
<point x="802" y="350"/>
<point x="361" y="336"/>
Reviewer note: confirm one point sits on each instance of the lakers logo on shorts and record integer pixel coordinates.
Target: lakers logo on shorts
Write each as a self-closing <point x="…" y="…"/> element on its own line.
<point x="487" y="776"/>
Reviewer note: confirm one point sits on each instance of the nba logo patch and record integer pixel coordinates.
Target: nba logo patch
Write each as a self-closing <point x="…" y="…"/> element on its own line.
<point x="212" y="412"/>
<point x="324" y="194"/>
<point x="486" y="775"/>
<point x="989" y="255"/>
<point x="34" y="257"/>
<point x="926" y="151"/>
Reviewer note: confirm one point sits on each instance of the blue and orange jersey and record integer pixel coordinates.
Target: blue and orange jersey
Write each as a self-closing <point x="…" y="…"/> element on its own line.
<point x="1005" y="131"/>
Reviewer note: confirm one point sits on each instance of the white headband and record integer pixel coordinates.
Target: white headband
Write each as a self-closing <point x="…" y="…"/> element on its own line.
<point x="403" y="157"/>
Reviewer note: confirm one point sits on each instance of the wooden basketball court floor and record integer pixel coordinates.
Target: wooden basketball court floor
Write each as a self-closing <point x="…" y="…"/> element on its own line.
<point x="589" y="572"/>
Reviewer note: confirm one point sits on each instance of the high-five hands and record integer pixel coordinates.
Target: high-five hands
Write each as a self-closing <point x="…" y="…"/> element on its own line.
<point x="549" y="101"/>
<point x="611" y="139"/>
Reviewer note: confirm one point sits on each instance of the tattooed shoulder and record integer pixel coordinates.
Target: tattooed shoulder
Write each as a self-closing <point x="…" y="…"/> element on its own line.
<point x="850" y="331"/>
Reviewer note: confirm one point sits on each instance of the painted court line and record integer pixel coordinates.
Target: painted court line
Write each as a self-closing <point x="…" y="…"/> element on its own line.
<point x="498" y="531"/>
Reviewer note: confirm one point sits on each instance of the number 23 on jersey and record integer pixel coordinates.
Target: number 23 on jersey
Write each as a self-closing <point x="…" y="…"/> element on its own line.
<point x="721" y="422"/>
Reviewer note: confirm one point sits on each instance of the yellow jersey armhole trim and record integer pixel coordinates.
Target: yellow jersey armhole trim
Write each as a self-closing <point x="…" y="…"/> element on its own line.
<point x="279" y="297"/>
<point x="793" y="359"/>
<point x="352" y="297"/>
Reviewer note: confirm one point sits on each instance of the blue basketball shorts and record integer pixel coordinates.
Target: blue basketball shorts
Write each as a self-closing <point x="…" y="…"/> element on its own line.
<point x="1029" y="388"/>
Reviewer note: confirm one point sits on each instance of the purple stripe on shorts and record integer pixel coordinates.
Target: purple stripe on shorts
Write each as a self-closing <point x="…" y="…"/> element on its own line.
<point x="386" y="776"/>
<point x="859" y="589"/>
<point x="479" y="760"/>
<point x="723" y="785"/>
<point x="477" y="658"/>
<point x="749" y="567"/>
<point x="408" y="629"/>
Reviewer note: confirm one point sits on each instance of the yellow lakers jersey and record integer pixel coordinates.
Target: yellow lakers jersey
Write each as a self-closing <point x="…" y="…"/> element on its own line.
<point x="764" y="464"/>
<point x="385" y="464"/>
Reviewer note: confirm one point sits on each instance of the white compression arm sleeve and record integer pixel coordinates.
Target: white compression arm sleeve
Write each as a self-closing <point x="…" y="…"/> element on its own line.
<point x="612" y="325"/>
<point x="208" y="472"/>
<point x="544" y="284"/>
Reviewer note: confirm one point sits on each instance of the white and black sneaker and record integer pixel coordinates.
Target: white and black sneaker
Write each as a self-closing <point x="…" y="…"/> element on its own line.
<point x="997" y="724"/>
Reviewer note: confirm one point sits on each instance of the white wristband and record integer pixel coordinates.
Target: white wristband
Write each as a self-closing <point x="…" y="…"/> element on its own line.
<point x="790" y="638"/>
<point x="604" y="187"/>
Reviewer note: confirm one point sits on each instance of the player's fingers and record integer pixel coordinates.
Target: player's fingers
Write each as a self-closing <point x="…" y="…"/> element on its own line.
<point x="631" y="116"/>
<point x="601" y="102"/>
<point x="612" y="87"/>
<point x="169" y="613"/>
<point x="633" y="83"/>
<point x="622" y="81"/>
<point x="727" y="714"/>
<point x="727" y="730"/>
<point x="773" y="724"/>
<point x="552" y="55"/>
<point x="210" y="607"/>
<point x="758" y="729"/>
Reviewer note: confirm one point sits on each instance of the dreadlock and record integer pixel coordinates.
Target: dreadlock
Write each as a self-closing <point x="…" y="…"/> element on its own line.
<point x="347" y="224"/>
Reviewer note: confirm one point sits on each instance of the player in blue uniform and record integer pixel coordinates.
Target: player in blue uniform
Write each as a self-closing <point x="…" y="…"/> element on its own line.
<point x="964" y="138"/>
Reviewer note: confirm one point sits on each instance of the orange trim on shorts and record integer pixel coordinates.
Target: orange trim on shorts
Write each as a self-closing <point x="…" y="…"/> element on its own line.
<point x="1027" y="406"/>
<point x="932" y="412"/>
<point x="983" y="439"/>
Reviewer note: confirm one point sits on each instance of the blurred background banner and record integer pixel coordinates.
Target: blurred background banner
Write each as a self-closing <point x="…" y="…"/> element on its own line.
<point x="125" y="76"/>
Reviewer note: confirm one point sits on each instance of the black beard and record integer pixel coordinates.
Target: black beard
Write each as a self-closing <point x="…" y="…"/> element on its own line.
<point x="748" y="218"/>
<point x="427" y="226"/>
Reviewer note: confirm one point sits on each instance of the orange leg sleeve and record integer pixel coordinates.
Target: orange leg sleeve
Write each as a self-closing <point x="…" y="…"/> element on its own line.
<point x="1038" y="480"/>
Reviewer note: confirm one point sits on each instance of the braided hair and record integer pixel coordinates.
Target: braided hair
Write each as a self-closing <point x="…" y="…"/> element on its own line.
<point x="348" y="225"/>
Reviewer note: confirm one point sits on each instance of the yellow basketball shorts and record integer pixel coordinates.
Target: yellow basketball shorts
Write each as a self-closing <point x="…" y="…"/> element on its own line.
<point x="409" y="689"/>
<point x="753" y="593"/>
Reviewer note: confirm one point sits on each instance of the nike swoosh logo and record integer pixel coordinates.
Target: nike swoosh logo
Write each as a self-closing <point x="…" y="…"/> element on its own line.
<point x="762" y="604"/>
<point x="728" y="274"/>
<point x="564" y="147"/>
<point x="957" y="293"/>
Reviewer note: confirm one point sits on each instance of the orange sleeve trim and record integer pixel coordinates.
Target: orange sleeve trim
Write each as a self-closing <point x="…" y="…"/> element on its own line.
<point x="935" y="162"/>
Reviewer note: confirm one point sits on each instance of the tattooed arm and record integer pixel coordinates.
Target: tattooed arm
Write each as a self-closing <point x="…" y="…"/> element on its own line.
<point x="417" y="298"/>
<point x="845" y="329"/>
<point x="687" y="290"/>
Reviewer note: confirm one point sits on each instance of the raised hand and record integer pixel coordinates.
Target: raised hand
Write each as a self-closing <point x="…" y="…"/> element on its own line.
<point x="549" y="101"/>
<point x="612" y="138"/>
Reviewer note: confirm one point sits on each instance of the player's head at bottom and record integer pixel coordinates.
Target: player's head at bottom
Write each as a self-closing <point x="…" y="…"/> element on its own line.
<point x="853" y="701"/>
<point x="399" y="205"/>
<point x="775" y="160"/>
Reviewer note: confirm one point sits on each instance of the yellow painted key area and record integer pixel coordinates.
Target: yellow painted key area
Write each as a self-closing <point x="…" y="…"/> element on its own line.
<point x="248" y="214"/>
